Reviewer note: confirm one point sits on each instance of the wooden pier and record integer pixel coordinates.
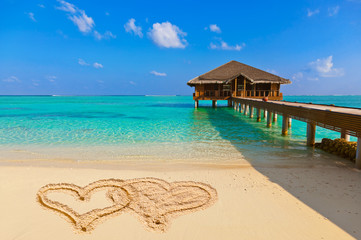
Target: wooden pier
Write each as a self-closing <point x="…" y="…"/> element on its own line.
<point x="345" y="120"/>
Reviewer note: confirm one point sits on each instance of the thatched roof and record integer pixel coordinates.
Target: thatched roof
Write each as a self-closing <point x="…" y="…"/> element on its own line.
<point x="229" y="71"/>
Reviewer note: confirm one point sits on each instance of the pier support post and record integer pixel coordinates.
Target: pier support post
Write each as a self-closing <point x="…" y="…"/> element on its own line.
<point x="234" y="105"/>
<point x="274" y="117"/>
<point x="269" y="119"/>
<point x="242" y="108"/>
<point x="251" y="109"/>
<point x="258" y="114"/>
<point x="344" y="135"/>
<point x="265" y="113"/>
<point x="229" y="103"/>
<point x="214" y="103"/>
<point x="237" y="107"/>
<point x="289" y="122"/>
<point x="284" y="125"/>
<point x="196" y="104"/>
<point x="246" y="109"/>
<point x="311" y="134"/>
<point x="358" y="153"/>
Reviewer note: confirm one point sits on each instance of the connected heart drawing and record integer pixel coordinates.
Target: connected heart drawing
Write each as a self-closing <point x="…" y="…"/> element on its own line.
<point x="154" y="201"/>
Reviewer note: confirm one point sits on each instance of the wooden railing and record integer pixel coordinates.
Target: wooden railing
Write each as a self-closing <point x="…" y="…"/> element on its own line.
<point x="259" y="93"/>
<point x="213" y="94"/>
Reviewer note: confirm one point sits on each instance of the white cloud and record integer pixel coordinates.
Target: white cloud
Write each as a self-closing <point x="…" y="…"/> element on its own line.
<point x="271" y="71"/>
<point x="167" y="35"/>
<point x="78" y="16"/>
<point x="31" y="16"/>
<point x="84" y="23"/>
<point x="324" y="68"/>
<point x="67" y="7"/>
<point x="41" y="5"/>
<point x="321" y="68"/>
<point x="332" y="11"/>
<point x="97" y="65"/>
<point x="310" y="12"/>
<point x="106" y="35"/>
<point x="11" y="79"/>
<point x="158" y="73"/>
<point x="107" y="13"/>
<point x="82" y="62"/>
<point x="51" y="78"/>
<point x="224" y="46"/>
<point x="131" y="27"/>
<point x="214" y="28"/>
<point x="132" y="83"/>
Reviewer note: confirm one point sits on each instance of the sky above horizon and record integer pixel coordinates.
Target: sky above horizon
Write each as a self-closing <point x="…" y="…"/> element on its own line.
<point x="80" y="47"/>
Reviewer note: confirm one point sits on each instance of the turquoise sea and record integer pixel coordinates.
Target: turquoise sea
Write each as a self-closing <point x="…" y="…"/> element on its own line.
<point x="149" y="125"/>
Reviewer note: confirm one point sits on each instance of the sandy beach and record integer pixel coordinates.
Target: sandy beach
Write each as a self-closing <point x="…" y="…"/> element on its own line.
<point x="319" y="202"/>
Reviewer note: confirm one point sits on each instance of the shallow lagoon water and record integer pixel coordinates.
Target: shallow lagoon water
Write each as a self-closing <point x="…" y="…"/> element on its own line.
<point x="166" y="127"/>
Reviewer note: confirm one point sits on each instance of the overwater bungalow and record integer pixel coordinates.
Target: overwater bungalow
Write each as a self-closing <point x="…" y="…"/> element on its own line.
<point x="235" y="79"/>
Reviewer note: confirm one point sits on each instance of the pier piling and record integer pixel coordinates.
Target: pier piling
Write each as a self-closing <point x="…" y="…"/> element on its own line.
<point x="269" y="119"/>
<point x="258" y="114"/>
<point x="251" y="109"/>
<point x="274" y="117"/>
<point x="284" y="125"/>
<point x="214" y="103"/>
<point x="245" y="109"/>
<point x="344" y="135"/>
<point x="311" y="133"/>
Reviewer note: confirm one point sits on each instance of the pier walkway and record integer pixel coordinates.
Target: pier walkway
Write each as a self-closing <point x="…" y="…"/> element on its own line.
<point x="345" y="120"/>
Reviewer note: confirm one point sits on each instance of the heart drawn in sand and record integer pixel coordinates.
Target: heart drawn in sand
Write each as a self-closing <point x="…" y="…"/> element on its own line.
<point x="154" y="201"/>
<point x="85" y="222"/>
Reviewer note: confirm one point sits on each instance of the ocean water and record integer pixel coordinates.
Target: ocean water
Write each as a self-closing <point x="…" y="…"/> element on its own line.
<point x="166" y="127"/>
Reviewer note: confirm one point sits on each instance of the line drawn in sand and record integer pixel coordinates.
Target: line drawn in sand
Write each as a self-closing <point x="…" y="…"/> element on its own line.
<point x="154" y="201"/>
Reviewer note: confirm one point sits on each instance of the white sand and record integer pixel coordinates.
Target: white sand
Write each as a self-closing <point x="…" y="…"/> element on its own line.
<point x="267" y="203"/>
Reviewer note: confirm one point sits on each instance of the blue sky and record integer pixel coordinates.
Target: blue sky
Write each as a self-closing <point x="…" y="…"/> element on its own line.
<point x="80" y="47"/>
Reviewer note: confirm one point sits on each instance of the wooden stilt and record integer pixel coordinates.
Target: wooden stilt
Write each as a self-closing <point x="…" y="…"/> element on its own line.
<point x="284" y="125"/>
<point x="358" y="153"/>
<point x="311" y="133"/>
<point x="214" y="103"/>
<point x="251" y="109"/>
<point x="269" y="119"/>
<point x="196" y="104"/>
<point x="258" y="114"/>
<point x="265" y="113"/>
<point x="245" y="109"/>
<point x="229" y="103"/>
<point x="274" y="117"/>
<point x="289" y="122"/>
<point x="344" y="135"/>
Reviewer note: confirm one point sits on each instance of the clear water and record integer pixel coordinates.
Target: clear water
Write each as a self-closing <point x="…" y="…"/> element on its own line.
<point x="142" y="123"/>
